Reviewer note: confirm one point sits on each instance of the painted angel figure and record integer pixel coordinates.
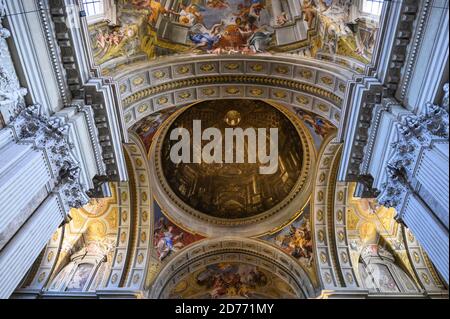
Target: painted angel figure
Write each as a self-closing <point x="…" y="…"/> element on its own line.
<point x="204" y="38"/>
<point x="167" y="241"/>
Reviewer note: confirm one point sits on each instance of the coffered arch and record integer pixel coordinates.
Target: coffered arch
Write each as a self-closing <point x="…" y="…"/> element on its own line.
<point x="308" y="84"/>
<point x="231" y="249"/>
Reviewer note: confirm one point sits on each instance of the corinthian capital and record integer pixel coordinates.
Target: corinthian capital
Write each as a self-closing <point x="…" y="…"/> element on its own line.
<point x="50" y="134"/>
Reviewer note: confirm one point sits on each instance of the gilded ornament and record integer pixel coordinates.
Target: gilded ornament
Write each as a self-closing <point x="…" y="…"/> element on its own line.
<point x="416" y="257"/>
<point x="323" y="258"/>
<point x="124" y="196"/>
<point x="143" y="108"/>
<point x="140" y="258"/>
<point x="425" y="278"/>
<point x="280" y="94"/>
<point x="326" y="80"/>
<point x="163" y="100"/>
<point x="257" y="67"/>
<point x="122" y="88"/>
<point x="123" y="237"/>
<point x="320" y="196"/>
<point x="323" y="107"/>
<point x="209" y="91"/>
<point x="207" y="67"/>
<point x="306" y="74"/>
<point x="337" y="117"/>
<point x="50" y="256"/>
<point x="159" y="74"/>
<point x="322" y="177"/>
<point x="114" y="278"/>
<point x="232" y="66"/>
<point x="320" y="215"/>
<point x="144" y="197"/>
<point x="143" y="236"/>
<point x="321" y="236"/>
<point x="183" y="69"/>
<point x="340" y="215"/>
<point x="282" y="69"/>
<point x="256" y="92"/>
<point x="341" y="235"/>
<point x="138" y="81"/>
<point x="124" y="216"/>
<point x="302" y="100"/>
<point x="233" y="90"/>
<point x="184" y="95"/>
<point x="41" y="277"/>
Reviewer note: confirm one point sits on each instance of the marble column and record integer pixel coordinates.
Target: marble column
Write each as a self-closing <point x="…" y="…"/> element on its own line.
<point x="430" y="233"/>
<point x="23" y="249"/>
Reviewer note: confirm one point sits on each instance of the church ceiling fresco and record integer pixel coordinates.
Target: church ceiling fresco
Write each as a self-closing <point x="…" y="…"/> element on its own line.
<point x="296" y="240"/>
<point x="147" y="29"/>
<point x="232" y="281"/>
<point x="168" y="238"/>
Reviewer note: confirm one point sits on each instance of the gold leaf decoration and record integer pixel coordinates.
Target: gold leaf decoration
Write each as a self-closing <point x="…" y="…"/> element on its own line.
<point x="209" y="91"/>
<point x="41" y="277"/>
<point x="159" y="74"/>
<point x="163" y="100"/>
<point x="323" y="107"/>
<point x="306" y="74"/>
<point x="143" y="108"/>
<point x="282" y="69"/>
<point x="257" y="67"/>
<point x="280" y="94"/>
<point x="138" y="81"/>
<point x="233" y="90"/>
<point x="123" y="237"/>
<point x="184" y="95"/>
<point x="256" y="92"/>
<point x="183" y="69"/>
<point x="302" y="100"/>
<point x="326" y="80"/>
<point x="207" y="67"/>
<point x="232" y="66"/>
